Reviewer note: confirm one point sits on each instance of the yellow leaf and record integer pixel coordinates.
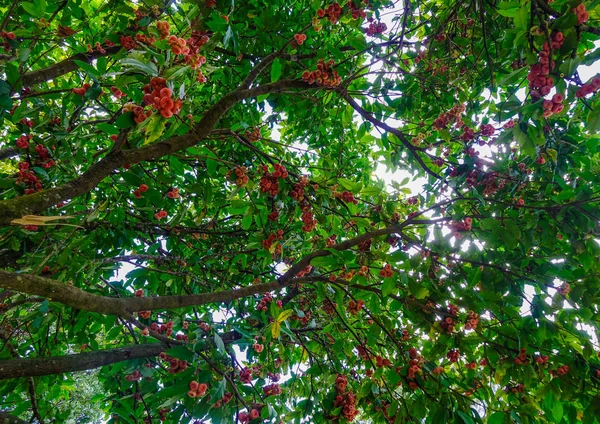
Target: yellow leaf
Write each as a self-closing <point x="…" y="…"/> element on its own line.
<point x="39" y="220"/>
<point x="272" y="248"/>
<point x="284" y="315"/>
<point x="276" y="330"/>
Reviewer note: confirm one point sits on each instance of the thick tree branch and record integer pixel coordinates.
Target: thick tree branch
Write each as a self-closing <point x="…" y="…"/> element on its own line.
<point x="35" y="367"/>
<point x="81" y="299"/>
<point x="8" y="152"/>
<point x="63" y="67"/>
<point x="6" y="418"/>
<point x="35" y="203"/>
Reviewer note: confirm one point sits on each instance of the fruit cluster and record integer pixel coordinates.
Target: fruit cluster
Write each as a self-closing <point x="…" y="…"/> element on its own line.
<point x="141" y="189"/>
<point x="178" y="45"/>
<point x="262" y="305"/>
<point x="308" y="220"/>
<point x="405" y="335"/>
<point x="357" y="11"/>
<point x="324" y="75"/>
<point x="365" y="246"/>
<point x="582" y="14"/>
<point x="241" y="179"/>
<point x="160" y="214"/>
<point x="375" y="28"/>
<point x="197" y="389"/>
<point x="23" y="141"/>
<point x="542" y="359"/>
<point x="561" y="370"/>
<point x="589" y="88"/>
<point x="487" y="130"/>
<point x="162" y="328"/>
<point x="453" y="355"/>
<point x="127" y="42"/>
<point x="224" y="400"/>
<point x="253" y="135"/>
<point x="269" y="182"/>
<point x="297" y="193"/>
<point x="386" y="271"/>
<point x="272" y="389"/>
<point x="345" y="399"/>
<point x="459" y="226"/>
<point x="472" y="321"/>
<point x="159" y="96"/>
<point x="381" y="362"/>
<point x="553" y="106"/>
<point x="27" y="177"/>
<point x="332" y="12"/>
<point x="564" y="289"/>
<point x="444" y="119"/>
<point x="518" y="388"/>
<point x="328" y="307"/>
<point x="173" y="193"/>
<point x="139" y="114"/>
<point x="134" y="376"/>
<point x="163" y="28"/>
<point x="175" y="365"/>
<point x="6" y="36"/>
<point x="299" y="38"/>
<point x="522" y="357"/>
<point x="116" y="92"/>
<point x="354" y="307"/>
<point x="347" y="197"/>
<point x="539" y="80"/>
<point x="268" y="242"/>
<point x="245" y="418"/>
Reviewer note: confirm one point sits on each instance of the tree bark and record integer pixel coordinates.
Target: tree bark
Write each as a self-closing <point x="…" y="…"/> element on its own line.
<point x="36" y="367"/>
<point x="6" y="418"/>
<point x="38" y="202"/>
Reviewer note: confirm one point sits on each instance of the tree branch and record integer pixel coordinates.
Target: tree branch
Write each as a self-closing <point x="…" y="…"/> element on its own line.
<point x="403" y="139"/>
<point x="64" y="67"/>
<point x="6" y="418"/>
<point x="8" y="152"/>
<point x="37" y="202"/>
<point x="35" y="367"/>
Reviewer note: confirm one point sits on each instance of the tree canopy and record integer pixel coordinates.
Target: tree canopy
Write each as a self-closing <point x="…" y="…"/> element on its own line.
<point x="297" y="211"/>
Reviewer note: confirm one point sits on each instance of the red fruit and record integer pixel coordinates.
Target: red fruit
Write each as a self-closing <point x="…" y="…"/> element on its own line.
<point x="194" y="385"/>
<point x="253" y="414"/>
<point x="540" y="160"/>
<point x="137" y="194"/>
<point x="143" y="188"/>
<point x="201" y="389"/>
<point x="557" y="98"/>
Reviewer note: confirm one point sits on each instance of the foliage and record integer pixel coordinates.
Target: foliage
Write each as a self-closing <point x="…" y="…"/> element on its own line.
<point x="194" y="204"/>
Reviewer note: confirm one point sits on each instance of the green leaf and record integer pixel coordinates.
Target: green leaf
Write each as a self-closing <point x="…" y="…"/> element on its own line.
<point x="593" y="120"/>
<point x="388" y="287"/>
<point x="497" y="418"/>
<point x="527" y="145"/>
<point x="275" y="70"/>
<point x="569" y="66"/>
<point x="125" y="121"/>
<point x="147" y="68"/>
<point x="219" y="343"/>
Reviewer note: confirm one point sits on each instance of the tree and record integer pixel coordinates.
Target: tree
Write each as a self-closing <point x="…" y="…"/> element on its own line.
<point x="308" y="211"/>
